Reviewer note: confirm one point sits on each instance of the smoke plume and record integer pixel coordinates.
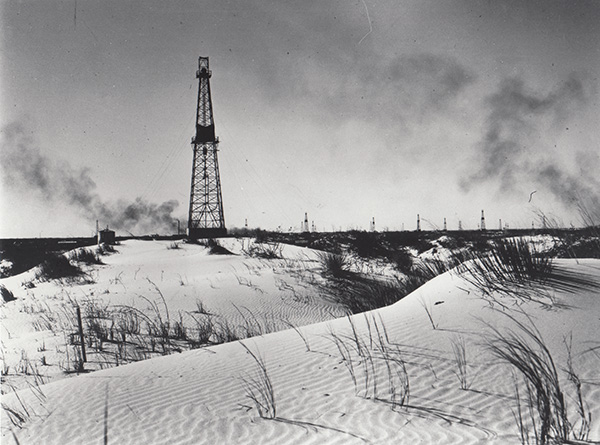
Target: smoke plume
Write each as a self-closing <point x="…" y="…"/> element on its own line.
<point x="379" y="89"/>
<point x="25" y="168"/>
<point x="519" y="143"/>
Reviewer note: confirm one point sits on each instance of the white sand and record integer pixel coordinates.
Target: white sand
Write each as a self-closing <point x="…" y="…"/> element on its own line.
<point x="199" y="397"/>
<point x="236" y="289"/>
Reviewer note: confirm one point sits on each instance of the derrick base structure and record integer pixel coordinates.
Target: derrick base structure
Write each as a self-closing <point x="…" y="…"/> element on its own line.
<point x="206" y="219"/>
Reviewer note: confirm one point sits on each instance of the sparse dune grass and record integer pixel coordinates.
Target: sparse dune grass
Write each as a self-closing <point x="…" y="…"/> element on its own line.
<point x="259" y="389"/>
<point x="368" y="294"/>
<point x="263" y="250"/>
<point x="58" y="267"/>
<point x="359" y="292"/>
<point x="85" y="256"/>
<point x="380" y="377"/>
<point x="510" y="267"/>
<point x="546" y="419"/>
<point x="376" y="366"/>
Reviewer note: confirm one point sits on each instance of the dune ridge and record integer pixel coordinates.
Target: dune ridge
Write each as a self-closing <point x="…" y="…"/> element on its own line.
<point x="199" y="397"/>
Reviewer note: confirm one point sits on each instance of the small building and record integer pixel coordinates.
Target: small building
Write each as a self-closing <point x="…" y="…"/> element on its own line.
<point x="106" y="236"/>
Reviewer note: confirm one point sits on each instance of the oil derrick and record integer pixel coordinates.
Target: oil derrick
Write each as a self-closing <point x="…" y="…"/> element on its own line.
<point x="304" y="225"/>
<point x="206" y="219"/>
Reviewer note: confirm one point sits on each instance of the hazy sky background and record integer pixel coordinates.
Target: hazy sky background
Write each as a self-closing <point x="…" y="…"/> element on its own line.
<point x="346" y="110"/>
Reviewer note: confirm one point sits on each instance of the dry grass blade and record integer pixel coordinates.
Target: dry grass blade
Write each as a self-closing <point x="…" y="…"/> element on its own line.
<point x="299" y="332"/>
<point x="585" y="416"/>
<point x="259" y="389"/>
<point x="374" y="356"/>
<point x="526" y="351"/>
<point x="460" y="356"/>
<point x="428" y="311"/>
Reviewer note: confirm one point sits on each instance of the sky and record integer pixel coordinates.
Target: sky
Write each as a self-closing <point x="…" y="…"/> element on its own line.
<point x="345" y="110"/>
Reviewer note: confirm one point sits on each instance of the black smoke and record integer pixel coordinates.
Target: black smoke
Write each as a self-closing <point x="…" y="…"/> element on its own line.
<point x="518" y="144"/>
<point x="25" y="168"/>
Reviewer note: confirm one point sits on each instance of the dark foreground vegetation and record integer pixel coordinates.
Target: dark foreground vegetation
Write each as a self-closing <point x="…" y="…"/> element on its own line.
<point x="573" y="243"/>
<point x="23" y="254"/>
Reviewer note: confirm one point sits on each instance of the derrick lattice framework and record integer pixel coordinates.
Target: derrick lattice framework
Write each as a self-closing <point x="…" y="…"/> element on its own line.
<point x="206" y="219"/>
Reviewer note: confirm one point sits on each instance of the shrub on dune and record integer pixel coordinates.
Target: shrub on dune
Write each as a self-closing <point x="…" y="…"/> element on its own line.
<point x="7" y="294"/>
<point x="57" y="267"/>
<point x="334" y="264"/>
<point x="214" y="248"/>
<point x="367" y="295"/>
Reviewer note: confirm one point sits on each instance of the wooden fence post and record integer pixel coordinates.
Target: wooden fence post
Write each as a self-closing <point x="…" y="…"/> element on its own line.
<point x="81" y="334"/>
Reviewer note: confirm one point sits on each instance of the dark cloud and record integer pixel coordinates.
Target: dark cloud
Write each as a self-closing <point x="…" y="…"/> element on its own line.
<point x="25" y="168"/>
<point x="517" y="141"/>
<point x="385" y="91"/>
<point x="580" y="192"/>
<point x="426" y="79"/>
<point x="514" y="114"/>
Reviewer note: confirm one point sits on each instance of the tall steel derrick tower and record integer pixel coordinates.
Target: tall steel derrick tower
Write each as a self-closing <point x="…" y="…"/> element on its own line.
<point x="206" y="219"/>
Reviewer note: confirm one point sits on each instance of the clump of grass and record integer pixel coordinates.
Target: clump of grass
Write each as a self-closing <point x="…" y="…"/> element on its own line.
<point x="334" y="264"/>
<point x="97" y="318"/>
<point x="200" y="308"/>
<point x="259" y="389"/>
<point x="105" y="249"/>
<point x="204" y="331"/>
<point x="85" y="256"/>
<point x="359" y="294"/>
<point x="57" y="267"/>
<point x="460" y="357"/>
<point x="402" y="260"/>
<point x="362" y="296"/>
<point x="224" y="332"/>
<point x="269" y="251"/>
<point x="214" y="248"/>
<point x="364" y="358"/>
<point x="180" y="331"/>
<point x="7" y="294"/>
<point x="511" y="266"/>
<point x="526" y="352"/>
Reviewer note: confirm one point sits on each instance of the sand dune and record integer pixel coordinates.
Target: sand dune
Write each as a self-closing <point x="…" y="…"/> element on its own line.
<point x="199" y="396"/>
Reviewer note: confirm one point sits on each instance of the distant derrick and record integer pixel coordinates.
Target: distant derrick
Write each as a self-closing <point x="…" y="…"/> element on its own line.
<point x="304" y="224"/>
<point x="206" y="219"/>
